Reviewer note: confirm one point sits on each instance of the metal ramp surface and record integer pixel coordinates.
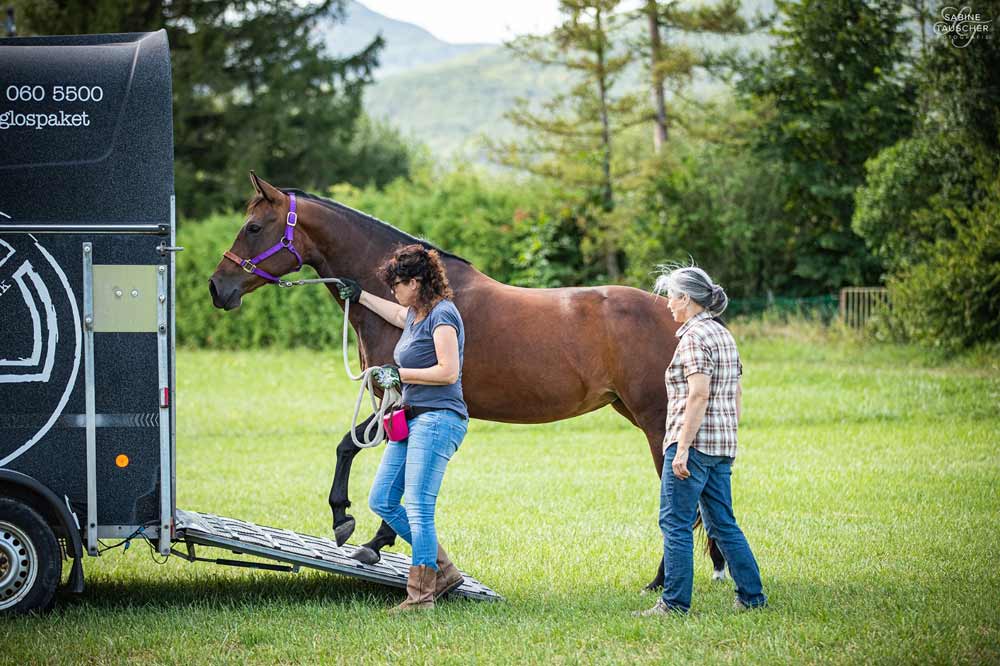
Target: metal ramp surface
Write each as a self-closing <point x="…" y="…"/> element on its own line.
<point x="303" y="550"/>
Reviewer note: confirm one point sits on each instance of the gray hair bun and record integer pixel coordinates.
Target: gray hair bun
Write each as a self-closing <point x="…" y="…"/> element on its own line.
<point x="718" y="301"/>
<point x="694" y="282"/>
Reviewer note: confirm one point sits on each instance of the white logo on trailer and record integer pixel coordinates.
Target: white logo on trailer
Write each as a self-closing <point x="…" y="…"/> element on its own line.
<point x="52" y="337"/>
<point x="47" y="338"/>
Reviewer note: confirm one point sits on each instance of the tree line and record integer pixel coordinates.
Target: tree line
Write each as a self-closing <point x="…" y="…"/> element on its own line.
<point x="862" y="147"/>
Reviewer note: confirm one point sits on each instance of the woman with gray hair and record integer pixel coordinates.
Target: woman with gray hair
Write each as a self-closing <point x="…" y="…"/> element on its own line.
<point x="704" y="402"/>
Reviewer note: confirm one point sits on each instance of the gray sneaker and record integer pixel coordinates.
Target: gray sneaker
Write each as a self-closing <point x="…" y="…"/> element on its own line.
<point x="659" y="608"/>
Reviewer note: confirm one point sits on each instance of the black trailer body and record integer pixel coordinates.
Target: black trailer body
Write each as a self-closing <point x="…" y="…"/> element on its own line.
<point x="86" y="223"/>
<point x="86" y="273"/>
<point x="87" y="237"/>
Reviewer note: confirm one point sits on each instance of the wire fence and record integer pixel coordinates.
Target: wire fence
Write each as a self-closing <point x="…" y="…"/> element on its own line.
<point x="823" y="308"/>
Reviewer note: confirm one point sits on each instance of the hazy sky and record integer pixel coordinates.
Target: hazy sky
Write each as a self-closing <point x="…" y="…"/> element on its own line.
<point x="462" y="21"/>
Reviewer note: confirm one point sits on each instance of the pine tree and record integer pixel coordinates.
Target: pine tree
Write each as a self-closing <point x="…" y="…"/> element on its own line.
<point x="571" y="138"/>
<point x="672" y="62"/>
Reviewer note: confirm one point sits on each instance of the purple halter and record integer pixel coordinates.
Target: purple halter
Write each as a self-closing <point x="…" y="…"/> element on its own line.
<point x="250" y="265"/>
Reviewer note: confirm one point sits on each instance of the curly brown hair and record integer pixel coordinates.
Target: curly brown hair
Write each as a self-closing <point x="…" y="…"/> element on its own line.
<point x="416" y="261"/>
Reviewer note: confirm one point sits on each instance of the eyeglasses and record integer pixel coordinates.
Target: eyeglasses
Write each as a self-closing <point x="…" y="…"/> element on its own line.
<point x="399" y="282"/>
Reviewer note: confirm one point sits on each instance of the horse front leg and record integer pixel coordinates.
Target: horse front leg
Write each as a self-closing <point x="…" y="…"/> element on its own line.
<point x="343" y="524"/>
<point x="371" y="552"/>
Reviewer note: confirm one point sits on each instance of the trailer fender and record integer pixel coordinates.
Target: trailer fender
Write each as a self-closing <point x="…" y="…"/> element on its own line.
<point x="27" y="489"/>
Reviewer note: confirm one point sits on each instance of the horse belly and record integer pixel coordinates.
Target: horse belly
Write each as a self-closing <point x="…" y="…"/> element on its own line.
<point x="535" y="386"/>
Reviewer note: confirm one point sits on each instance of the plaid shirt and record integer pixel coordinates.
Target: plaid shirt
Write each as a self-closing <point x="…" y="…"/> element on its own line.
<point x="705" y="346"/>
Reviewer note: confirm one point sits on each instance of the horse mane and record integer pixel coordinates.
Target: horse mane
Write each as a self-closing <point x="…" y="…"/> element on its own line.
<point x="336" y="206"/>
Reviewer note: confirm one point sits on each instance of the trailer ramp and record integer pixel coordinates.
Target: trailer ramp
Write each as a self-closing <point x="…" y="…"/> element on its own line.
<point x="300" y="550"/>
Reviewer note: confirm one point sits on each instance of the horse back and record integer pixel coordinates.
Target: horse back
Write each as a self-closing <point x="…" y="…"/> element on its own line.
<point x="538" y="355"/>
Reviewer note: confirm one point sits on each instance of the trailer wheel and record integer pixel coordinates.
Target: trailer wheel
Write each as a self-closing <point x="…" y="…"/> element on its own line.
<point x="30" y="562"/>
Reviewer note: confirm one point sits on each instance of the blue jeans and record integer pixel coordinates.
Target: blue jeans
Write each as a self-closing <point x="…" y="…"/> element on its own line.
<point x="709" y="483"/>
<point x="415" y="467"/>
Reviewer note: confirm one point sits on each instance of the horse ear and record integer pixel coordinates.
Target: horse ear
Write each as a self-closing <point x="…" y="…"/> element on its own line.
<point x="255" y="181"/>
<point x="265" y="189"/>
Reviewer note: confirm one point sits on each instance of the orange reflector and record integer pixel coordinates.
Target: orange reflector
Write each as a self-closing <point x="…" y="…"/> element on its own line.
<point x="121" y="460"/>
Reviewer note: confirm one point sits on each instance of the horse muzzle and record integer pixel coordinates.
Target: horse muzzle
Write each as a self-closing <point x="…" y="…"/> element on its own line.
<point x="224" y="298"/>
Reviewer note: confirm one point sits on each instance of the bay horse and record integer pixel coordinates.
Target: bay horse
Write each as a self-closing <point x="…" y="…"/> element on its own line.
<point x="531" y="355"/>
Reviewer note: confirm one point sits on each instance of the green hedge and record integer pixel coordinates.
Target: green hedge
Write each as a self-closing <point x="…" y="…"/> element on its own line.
<point x="300" y="317"/>
<point x="951" y="299"/>
<point x="308" y="316"/>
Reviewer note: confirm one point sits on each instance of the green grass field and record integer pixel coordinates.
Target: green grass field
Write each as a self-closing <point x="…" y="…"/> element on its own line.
<point x="867" y="485"/>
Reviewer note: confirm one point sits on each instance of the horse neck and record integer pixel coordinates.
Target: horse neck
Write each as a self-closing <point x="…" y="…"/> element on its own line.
<point x="347" y="247"/>
<point x="351" y="248"/>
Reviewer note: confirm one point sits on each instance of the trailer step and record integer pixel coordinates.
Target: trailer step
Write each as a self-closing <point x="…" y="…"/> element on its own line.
<point x="241" y="537"/>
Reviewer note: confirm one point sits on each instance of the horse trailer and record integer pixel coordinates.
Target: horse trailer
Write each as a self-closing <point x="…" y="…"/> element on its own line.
<point x="87" y="374"/>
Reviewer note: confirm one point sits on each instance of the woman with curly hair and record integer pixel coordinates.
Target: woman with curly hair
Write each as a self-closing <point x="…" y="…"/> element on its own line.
<point x="428" y="365"/>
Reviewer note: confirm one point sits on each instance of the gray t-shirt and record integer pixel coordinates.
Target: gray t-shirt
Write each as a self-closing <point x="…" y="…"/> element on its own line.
<point x="415" y="349"/>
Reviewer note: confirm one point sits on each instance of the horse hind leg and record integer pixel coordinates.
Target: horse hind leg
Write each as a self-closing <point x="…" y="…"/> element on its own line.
<point x="651" y="422"/>
<point x="718" y="561"/>
<point x="657" y="582"/>
<point x="713" y="550"/>
<point x="620" y="407"/>
<point x="718" y="566"/>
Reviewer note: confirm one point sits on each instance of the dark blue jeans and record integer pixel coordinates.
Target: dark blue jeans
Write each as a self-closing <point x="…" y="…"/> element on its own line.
<point x="709" y="483"/>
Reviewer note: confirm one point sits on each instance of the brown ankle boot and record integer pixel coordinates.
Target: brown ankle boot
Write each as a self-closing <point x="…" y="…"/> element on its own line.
<point x="419" y="590"/>
<point x="448" y="576"/>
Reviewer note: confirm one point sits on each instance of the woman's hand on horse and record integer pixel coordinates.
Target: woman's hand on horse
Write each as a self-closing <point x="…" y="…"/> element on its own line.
<point x="680" y="464"/>
<point x="349" y="290"/>
<point x="387" y="377"/>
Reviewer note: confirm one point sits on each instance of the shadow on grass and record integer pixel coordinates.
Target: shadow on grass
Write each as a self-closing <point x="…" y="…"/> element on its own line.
<point x="207" y="590"/>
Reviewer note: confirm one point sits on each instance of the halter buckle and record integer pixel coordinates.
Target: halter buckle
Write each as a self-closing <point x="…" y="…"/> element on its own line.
<point x="248" y="267"/>
<point x="293" y="218"/>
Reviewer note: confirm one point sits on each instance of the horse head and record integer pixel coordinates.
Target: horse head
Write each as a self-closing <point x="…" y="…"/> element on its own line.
<point x="268" y="245"/>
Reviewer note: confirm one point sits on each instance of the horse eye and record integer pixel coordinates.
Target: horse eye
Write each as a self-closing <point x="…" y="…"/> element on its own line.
<point x="253" y="228"/>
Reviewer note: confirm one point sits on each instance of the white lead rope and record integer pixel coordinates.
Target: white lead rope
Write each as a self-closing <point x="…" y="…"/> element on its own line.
<point x="374" y="432"/>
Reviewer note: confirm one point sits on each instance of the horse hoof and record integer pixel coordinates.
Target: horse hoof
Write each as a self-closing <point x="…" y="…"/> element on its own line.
<point x="718" y="575"/>
<point x="343" y="531"/>
<point x="651" y="587"/>
<point x="366" y="555"/>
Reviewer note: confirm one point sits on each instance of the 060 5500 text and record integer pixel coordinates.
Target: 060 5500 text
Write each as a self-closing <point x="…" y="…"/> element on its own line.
<point x="37" y="93"/>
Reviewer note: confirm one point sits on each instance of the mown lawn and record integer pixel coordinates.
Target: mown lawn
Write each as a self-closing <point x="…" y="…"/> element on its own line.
<point x="867" y="484"/>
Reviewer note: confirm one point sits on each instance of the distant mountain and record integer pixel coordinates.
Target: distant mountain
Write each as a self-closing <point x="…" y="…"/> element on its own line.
<point x="450" y="105"/>
<point x="450" y="95"/>
<point x="407" y="45"/>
